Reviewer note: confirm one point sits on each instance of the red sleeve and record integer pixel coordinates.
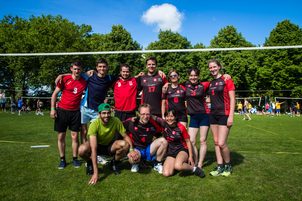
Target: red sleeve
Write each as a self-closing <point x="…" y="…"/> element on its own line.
<point x="158" y="128"/>
<point x="205" y="85"/>
<point x="230" y="85"/>
<point x="184" y="131"/>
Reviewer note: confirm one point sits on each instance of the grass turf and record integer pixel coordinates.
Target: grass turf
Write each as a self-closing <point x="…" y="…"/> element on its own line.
<point x="266" y="155"/>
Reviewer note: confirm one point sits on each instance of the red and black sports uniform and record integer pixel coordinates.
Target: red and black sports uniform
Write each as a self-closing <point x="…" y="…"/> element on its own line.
<point x="68" y="108"/>
<point x="175" y="100"/>
<point x="196" y="105"/>
<point x="176" y="136"/>
<point x="125" y="94"/>
<point x="152" y="91"/>
<point x="142" y="135"/>
<point x="220" y="100"/>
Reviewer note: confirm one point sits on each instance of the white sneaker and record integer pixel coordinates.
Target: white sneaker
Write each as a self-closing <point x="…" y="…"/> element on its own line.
<point x="158" y="168"/>
<point x="101" y="160"/>
<point x="135" y="168"/>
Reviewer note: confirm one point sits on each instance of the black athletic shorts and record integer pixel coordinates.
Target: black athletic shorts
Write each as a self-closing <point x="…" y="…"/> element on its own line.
<point x="105" y="149"/>
<point x="122" y="115"/>
<point x="219" y="119"/>
<point x="173" y="153"/>
<point x="67" y="119"/>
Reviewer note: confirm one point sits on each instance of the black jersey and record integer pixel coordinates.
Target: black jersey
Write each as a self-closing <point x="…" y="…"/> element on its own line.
<point x="195" y="97"/>
<point x="219" y="94"/>
<point x="142" y="134"/>
<point x="176" y="98"/>
<point x="152" y="91"/>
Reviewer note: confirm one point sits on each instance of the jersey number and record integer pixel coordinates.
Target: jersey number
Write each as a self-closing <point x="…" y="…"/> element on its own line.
<point x="151" y="89"/>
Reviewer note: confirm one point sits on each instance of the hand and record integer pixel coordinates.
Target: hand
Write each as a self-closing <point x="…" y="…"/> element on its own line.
<point x="227" y="77"/>
<point x="53" y="114"/>
<point x="230" y="121"/>
<point x="58" y="79"/>
<point x="191" y="161"/>
<point x="93" y="180"/>
<point x="133" y="119"/>
<point x="162" y="74"/>
<point x="165" y="88"/>
<point x="134" y="156"/>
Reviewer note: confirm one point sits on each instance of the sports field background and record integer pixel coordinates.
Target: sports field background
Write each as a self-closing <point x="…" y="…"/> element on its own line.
<point x="266" y="153"/>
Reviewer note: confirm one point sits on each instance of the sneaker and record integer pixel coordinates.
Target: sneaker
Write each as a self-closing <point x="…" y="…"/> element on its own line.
<point x="158" y="167"/>
<point x="135" y="168"/>
<point x="217" y="171"/>
<point x="76" y="163"/>
<point x="101" y="160"/>
<point x="199" y="172"/>
<point x="227" y="170"/>
<point x="114" y="167"/>
<point x="89" y="169"/>
<point x="62" y="165"/>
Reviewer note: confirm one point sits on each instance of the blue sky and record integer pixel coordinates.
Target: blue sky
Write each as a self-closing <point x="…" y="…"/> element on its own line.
<point x="199" y="21"/>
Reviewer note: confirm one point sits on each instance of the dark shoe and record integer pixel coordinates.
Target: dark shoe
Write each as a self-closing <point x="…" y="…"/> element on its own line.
<point x="62" y="165"/>
<point x="89" y="169"/>
<point x="114" y="167"/>
<point x="76" y="163"/>
<point x="199" y="172"/>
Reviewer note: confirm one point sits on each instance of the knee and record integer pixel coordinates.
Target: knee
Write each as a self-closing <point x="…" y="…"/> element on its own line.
<point x="166" y="173"/>
<point x="83" y="149"/>
<point x="178" y="166"/>
<point x="221" y="145"/>
<point x="163" y="142"/>
<point x="203" y="142"/>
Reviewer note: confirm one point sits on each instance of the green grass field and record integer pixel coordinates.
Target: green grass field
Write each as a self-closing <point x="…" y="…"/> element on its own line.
<point x="266" y="154"/>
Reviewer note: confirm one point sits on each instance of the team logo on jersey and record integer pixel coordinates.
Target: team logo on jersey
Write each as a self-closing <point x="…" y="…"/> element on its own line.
<point x="130" y="83"/>
<point x="135" y="128"/>
<point x="75" y="90"/>
<point x="144" y="81"/>
<point x="119" y="84"/>
<point x="173" y="132"/>
<point x="216" y="83"/>
<point x="147" y="129"/>
<point x="154" y="79"/>
<point x="178" y="91"/>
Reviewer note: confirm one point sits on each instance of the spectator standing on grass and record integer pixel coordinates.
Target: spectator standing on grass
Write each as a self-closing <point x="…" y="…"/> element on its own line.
<point x="278" y="107"/>
<point x="102" y="141"/>
<point x="222" y="95"/>
<point x="143" y="132"/>
<point x="39" y="106"/>
<point x="246" y="110"/>
<point x="67" y="113"/>
<point x="298" y="109"/>
<point x="20" y="105"/>
<point x="3" y="101"/>
<point x="151" y="85"/>
<point x="180" y="151"/>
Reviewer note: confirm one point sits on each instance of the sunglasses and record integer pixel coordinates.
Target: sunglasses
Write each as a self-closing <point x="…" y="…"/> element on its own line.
<point x="174" y="75"/>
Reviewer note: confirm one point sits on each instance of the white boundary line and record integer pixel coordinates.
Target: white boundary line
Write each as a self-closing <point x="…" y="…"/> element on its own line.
<point x="152" y="51"/>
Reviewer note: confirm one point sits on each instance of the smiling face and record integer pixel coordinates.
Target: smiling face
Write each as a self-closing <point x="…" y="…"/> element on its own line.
<point x="151" y="66"/>
<point x="170" y="118"/>
<point x="102" y="69"/>
<point x="144" y="115"/>
<point x="105" y="116"/>
<point x="214" y="69"/>
<point x="193" y="77"/>
<point x="125" y="72"/>
<point x="173" y="76"/>
<point x="76" y="70"/>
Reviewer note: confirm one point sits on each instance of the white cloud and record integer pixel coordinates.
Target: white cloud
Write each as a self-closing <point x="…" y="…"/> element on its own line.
<point x="165" y="16"/>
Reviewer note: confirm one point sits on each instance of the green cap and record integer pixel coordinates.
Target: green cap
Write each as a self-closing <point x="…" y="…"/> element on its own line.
<point x="103" y="107"/>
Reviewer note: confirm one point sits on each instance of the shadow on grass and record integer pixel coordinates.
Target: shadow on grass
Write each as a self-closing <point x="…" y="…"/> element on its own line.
<point x="236" y="158"/>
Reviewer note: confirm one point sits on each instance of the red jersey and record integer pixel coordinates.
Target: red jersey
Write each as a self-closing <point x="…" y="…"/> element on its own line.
<point x="125" y="92"/>
<point x="219" y="94"/>
<point x="175" y="98"/>
<point x="72" y="91"/>
<point x="152" y="91"/>
<point x="195" y="97"/>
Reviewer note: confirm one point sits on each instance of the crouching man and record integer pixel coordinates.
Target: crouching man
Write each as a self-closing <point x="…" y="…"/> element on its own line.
<point x="102" y="141"/>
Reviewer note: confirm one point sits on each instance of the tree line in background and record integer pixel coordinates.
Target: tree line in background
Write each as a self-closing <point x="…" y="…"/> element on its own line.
<point x="255" y="73"/>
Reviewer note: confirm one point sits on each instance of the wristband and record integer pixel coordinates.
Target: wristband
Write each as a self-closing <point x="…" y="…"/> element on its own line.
<point x="131" y="149"/>
<point x="53" y="108"/>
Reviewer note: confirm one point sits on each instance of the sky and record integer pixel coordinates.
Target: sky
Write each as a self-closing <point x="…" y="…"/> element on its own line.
<point x="197" y="20"/>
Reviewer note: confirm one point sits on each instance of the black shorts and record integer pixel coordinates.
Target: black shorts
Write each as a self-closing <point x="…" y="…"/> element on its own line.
<point x="67" y="119"/>
<point x="219" y="119"/>
<point x="105" y="149"/>
<point x="124" y="115"/>
<point x="182" y="117"/>
<point x="173" y="153"/>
